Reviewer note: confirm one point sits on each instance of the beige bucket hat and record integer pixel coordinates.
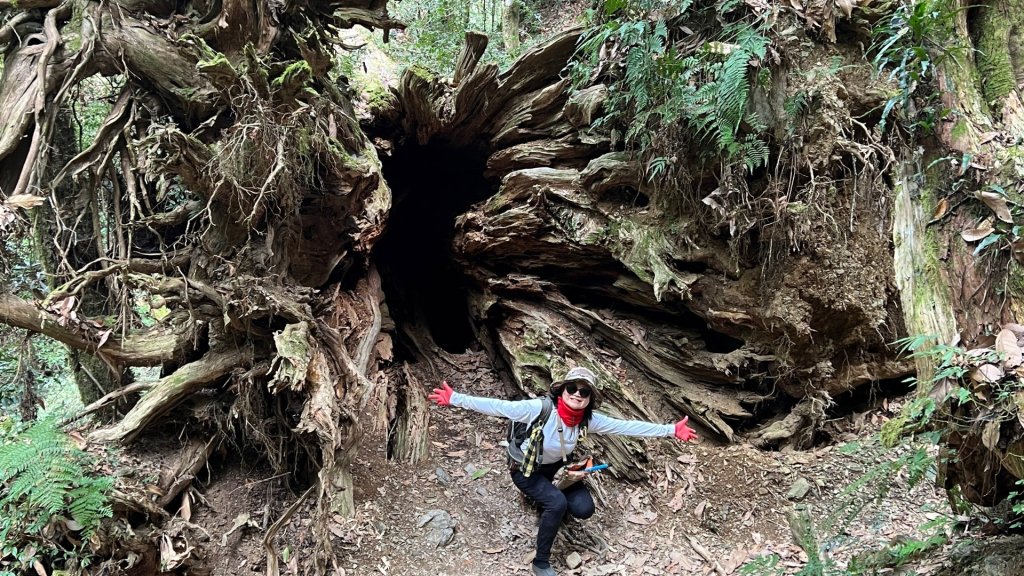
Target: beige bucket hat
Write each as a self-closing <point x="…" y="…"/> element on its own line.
<point x="583" y="375"/>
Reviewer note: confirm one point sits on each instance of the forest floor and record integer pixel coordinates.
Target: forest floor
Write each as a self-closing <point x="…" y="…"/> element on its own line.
<point x="706" y="508"/>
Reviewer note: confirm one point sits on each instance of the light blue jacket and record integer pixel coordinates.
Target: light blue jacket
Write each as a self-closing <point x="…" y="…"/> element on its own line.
<point x="559" y="439"/>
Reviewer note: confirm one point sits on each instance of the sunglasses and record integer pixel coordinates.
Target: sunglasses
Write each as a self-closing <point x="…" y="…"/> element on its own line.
<point x="584" y="391"/>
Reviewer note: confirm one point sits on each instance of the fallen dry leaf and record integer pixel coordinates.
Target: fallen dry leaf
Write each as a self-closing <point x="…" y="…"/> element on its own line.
<point x="1006" y="346"/>
<point x="699" y="510"/>
<point x="997" y="203"/>
<point x="940" y="209"/>
<point x="979" y="233"/>
<point x="24" y="201"/>
<point x="676" y="504"/>
<point x="986" y="373"/>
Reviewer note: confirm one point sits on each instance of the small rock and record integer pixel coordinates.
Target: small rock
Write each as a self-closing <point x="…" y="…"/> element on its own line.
<point x="573" y="561"/>
<point x="439" y="527"/>
<point x="470" y="470"/>
<point x="799" y="489"/>
<point x="443" y="476"/>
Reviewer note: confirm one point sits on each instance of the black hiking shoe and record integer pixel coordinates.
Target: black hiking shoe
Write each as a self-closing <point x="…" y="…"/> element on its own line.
<point x="538" y="571"/>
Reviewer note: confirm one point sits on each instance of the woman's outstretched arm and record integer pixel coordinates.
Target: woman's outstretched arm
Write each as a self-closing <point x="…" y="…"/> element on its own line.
<point x="601" y="424"/>
<point x="518" y="410"/>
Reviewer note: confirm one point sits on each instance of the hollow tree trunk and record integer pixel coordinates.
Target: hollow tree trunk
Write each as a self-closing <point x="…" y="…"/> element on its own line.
<point x="578" y="260"/>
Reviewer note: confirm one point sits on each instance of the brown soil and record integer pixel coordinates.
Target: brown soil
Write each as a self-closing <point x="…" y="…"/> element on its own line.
<point x="726" y="502"/>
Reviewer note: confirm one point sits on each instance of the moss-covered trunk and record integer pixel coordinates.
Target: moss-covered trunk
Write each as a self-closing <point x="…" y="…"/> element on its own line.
<point x="956" y="239"/>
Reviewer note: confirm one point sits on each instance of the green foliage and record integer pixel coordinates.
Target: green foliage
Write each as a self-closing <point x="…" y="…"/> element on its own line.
<point x="966" y="399"/>
<point x="816" y="534"/>
<point x="708" y="88"/>
<point x="908" y="44"/>
<point x="45" y="480"/>
<point x="91" y="101"/>
<point x="436" y="30"/>
<point x="48" y="361"/>
<point x="1016" y="499"/>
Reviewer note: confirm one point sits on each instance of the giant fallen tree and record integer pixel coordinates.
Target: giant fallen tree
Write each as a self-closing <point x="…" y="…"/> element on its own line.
<point x="231" y="189"/>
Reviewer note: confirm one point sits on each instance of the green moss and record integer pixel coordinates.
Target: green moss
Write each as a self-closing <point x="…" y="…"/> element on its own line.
<point x="959" y="129"/>
<point x="378" y="96"/>
<point x="296" y="72"/>
<point x="994" y="66"/>
<point x="216" y="59"/>
<point x="422" y="72"/>
<point x="1015" y="280"/>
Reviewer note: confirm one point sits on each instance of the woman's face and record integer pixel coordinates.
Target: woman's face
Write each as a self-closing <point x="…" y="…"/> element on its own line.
<point x="576" y="395"/>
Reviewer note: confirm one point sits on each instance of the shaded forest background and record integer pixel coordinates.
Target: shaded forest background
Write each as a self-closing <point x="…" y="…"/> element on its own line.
<point x="241" y="221"/>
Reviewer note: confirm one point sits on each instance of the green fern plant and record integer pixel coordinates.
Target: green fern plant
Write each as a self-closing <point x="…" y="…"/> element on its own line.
<point x="45" y="477"/>
<point x="663" y="84"/>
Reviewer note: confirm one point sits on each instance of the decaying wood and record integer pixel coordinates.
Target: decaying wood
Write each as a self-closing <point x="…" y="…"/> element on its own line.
<point x="409" y="441"/>
<point x="249" y="202"/>
<point x="566" y="151"/>
<point x="144" y="348"/>
<point x="584" y="106"/>
<point x="483" y="95"/>
<point x="795" y="429"/>
<point x="570" y="227"/>
<point x="170" y="390"/>
<point x="191" y="460"/>
<point x="469" y="57"/>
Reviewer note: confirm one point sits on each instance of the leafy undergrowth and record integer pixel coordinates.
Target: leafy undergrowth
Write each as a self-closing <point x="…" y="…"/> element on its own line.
<point x="51" y="501"/>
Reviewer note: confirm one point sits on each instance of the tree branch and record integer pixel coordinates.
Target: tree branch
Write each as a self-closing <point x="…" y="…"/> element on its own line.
<point x="7" y="32"/>
<point x="28" y="4"/>
<point x="52" y="41"/>
<point x="171" y="390"/>
<point x="148" y="348"/>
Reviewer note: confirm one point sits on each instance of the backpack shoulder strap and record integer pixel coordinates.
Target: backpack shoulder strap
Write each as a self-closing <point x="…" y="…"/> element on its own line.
<point x="531" y="430"/>
<point x="545" y="411"/>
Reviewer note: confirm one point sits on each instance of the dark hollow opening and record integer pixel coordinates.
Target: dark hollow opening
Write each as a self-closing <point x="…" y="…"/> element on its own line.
<point x="424" y="287"/>
<point x="870" y="396"/>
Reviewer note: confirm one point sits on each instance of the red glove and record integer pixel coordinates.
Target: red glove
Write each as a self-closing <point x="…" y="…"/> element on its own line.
<point x="443" y="397"/>
<point x="684" y="432"/>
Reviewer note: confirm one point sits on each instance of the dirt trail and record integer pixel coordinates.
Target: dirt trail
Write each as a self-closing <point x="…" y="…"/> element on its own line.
<point x="706" y="508"/>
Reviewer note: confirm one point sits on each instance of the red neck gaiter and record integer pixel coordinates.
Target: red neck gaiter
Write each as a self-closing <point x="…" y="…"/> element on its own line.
<point x="570" y="416"/>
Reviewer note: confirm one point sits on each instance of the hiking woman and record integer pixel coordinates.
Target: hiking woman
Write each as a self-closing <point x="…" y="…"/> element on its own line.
<point x="549" y="447"/>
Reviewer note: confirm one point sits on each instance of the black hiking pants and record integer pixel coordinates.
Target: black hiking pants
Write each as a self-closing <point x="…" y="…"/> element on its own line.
<point x="554" y="503"/>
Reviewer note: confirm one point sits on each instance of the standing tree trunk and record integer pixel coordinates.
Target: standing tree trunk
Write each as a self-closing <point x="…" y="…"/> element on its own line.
<point x="952" y="288"/>
<point x="511" y="19"/>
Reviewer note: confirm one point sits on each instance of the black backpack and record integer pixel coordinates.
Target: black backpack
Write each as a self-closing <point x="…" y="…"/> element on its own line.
<point x="518" y="432"/>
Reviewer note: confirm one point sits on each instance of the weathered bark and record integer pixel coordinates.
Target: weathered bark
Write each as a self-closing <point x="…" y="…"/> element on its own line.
<point x="409" y="418"/>
<point x="469" y="57"/>
<point x="144" y="348"/>
<point x="949" y="290"/>
<point x="569" y="233"/>
<point x="171" y="390"/>
<point x="191" y="460"/>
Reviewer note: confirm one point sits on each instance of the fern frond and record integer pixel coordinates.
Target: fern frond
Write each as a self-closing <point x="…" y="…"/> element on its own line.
<point x="43" y="475"/>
